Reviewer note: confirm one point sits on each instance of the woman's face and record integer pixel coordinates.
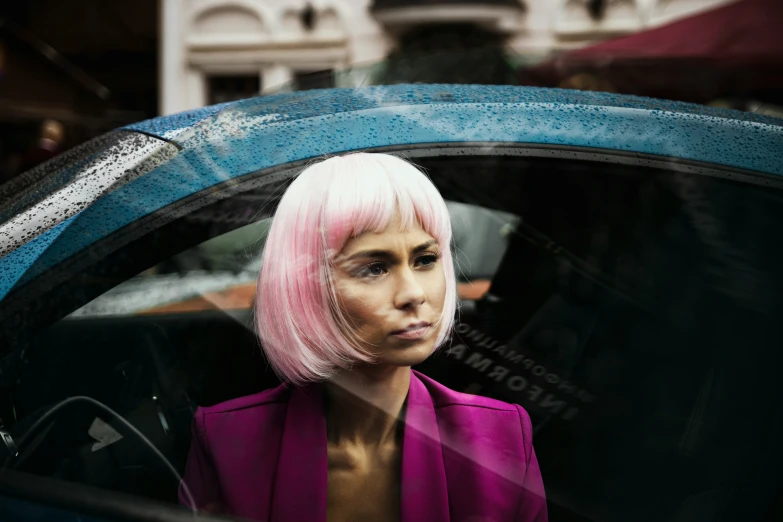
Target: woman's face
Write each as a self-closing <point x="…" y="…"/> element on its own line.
<point x="391" y="288"/>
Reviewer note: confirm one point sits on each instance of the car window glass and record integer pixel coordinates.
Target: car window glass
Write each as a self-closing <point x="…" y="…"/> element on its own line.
<point x="175" y="336"/>
<point x="220" y="273"/>
<point x="629" y="308"/>
<point x="633" y="315"/>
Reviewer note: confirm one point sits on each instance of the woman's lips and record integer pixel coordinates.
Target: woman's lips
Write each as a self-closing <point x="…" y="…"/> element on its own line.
<point x="413" y="333"/>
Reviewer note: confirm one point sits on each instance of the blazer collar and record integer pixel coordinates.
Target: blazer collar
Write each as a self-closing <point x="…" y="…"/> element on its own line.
<point x="301" y="478"/>
<point x="300" y="481"/>
<point x="425" y="495"/>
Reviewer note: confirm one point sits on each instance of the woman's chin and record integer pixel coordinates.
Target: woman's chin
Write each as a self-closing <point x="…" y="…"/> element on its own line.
<point x="406" y="355"/>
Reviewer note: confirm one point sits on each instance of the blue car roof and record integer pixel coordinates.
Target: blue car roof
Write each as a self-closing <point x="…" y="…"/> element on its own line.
<point x="307" y="104"/>
<point x="227" y="141"/>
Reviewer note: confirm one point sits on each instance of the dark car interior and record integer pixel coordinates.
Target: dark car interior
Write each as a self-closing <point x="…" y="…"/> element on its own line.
<point x="638" y="333"/>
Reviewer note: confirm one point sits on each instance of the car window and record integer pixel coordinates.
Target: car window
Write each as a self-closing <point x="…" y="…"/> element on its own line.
<point x="633" y="315"/>
<point x="221" y="272"/>
<point x="627" y="303"/>
<point x="166" y="335"/>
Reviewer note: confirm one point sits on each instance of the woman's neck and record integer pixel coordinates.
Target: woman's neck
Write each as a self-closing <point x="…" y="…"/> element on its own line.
<point x="364" y="405"/>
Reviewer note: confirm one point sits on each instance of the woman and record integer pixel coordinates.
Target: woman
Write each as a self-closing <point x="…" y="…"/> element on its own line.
<point x="356" y="286"/>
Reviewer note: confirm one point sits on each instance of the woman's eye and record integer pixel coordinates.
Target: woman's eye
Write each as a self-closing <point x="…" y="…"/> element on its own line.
<point x="374" y="270"/>
<point x="429" y="259"/>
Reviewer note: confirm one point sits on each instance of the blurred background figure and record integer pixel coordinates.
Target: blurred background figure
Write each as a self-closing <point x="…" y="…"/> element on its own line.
<point x="458" y="53"/>
<point x="47" y="146"/>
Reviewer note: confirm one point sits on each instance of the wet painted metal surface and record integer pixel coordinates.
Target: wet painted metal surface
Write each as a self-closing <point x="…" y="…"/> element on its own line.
<point x="223" y="143"/>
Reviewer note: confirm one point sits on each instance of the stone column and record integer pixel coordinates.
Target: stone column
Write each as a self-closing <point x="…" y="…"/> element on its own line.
<point x="273" y="76"/>
<point x="172" y="61"/>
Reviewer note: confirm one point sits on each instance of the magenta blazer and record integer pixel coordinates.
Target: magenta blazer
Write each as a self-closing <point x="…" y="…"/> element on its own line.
<point x="465" y="458"/>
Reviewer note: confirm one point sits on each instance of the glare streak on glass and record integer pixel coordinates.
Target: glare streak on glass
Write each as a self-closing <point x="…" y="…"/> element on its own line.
<point x="119" y="164"/>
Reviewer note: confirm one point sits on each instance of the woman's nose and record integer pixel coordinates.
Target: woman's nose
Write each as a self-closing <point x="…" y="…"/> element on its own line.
<point x="410" y="293"/>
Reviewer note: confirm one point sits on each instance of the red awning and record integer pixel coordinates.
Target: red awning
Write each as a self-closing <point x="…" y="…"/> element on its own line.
<point x="733" y="50"/>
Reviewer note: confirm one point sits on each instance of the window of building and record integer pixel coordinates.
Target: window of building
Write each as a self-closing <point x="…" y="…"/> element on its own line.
<point x="305" y="80"/>
<point x="230" y="88"/>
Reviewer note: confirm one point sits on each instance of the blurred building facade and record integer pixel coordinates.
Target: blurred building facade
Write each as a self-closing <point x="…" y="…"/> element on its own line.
<point x="219" y="50"/>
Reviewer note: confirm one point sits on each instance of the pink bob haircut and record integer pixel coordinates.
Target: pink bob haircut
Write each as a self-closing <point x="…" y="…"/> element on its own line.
<point x="302" y="331"/>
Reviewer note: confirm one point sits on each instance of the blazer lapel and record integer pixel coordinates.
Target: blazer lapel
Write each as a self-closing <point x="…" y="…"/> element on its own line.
<point x="302" y="468"/>
<point x="425" y="495"/>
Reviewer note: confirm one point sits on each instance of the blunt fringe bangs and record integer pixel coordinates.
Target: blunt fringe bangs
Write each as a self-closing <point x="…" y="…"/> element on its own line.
<point x="301" y="329"/>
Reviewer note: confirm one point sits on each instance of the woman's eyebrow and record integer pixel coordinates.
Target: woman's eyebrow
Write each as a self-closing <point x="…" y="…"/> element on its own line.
<point x="424" y="246"/>
<point x="385" y="254"/>
<point x="370" y="253"/>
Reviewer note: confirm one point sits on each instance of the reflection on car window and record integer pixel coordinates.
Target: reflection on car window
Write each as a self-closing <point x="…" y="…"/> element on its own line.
<point x="220" y="273"/>
<point x="631" y="309"/>
<point x="480" y="238"/>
